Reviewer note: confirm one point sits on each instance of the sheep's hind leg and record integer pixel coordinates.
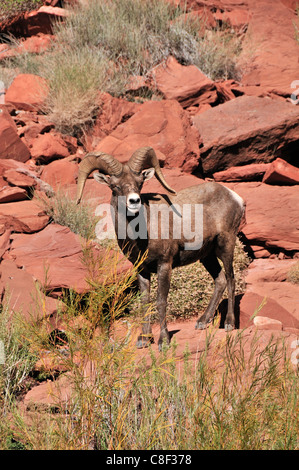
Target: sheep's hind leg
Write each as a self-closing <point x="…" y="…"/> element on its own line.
<point x="146" y="336"/>
<point x="212" y="265"/>
<point x="164" y="275"/>
<point x="227" y="256"/>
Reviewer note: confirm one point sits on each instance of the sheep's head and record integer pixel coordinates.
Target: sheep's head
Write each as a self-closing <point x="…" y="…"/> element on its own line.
<point x="123" y="179"/>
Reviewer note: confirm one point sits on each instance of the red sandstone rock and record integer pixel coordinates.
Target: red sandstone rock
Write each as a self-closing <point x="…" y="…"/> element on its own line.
<point x="270" y="52"/>
<point x="31" y="125"/>
<point x="10" y="164"/>
<point x="237" y="18"/>
<point x="23" y="216"/>
<point x="269" y="294"/>
<point x="50" y="395"/>
<point x="48" y="147"/>
<point x="247" y="129"/>
<point x="34" y="22"/>
<point x="4" y="242"/>
<point x="12" y="146"/>
<point x="16" y="178"/>
<point x="268" y="270"/>
<point x="27" y="92"/>
<point x="186" y="84"/>
<point x="53" y="256"/>
<point x="281" y="172"/>
<point x="113" y="111"/>
<point x="263" y="303"/>
<point x="253" y="172"/>
<point x="265" y="323"/>
<point x="163" y="125"/>
<point x="9" y="194"/>
<point x="22" y="294"/>
<point x="272" y="215"/>
<point x="60" y="173"/>
<point x="35" y="44"/>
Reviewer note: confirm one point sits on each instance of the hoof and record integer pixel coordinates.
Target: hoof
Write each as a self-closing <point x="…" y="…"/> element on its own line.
<point x="144" y="341"/>
<point x="228" y="327"/>
<point x="202" y="325"/>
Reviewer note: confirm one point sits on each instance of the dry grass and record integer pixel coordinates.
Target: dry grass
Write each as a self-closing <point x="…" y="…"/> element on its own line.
<point x="293" y="274"/>
<point x="64" y="211"/>
<point x="100" y="45"/>
<point x="226" y="399"/>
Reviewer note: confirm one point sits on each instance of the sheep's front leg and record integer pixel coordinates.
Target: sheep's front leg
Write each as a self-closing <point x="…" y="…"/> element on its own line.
<point x="146" y="336"/>
<point x="164" y="276"/>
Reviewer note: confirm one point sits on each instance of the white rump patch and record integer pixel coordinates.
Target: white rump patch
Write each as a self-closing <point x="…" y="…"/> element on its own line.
<point x="236" y="197"/>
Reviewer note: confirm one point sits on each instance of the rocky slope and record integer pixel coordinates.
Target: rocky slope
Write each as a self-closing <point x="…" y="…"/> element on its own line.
<point x="244" y="135"/>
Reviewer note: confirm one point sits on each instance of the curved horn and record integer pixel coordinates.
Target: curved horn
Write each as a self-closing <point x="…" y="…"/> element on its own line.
<point x="145" y="157"/>
<point x="96" y="161"/>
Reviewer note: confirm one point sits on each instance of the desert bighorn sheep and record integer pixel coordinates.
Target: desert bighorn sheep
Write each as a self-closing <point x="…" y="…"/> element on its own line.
<point x="220" y="211"/>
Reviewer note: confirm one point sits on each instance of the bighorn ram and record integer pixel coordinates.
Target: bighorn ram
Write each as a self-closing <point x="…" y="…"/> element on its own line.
<point x="220" y="212"/>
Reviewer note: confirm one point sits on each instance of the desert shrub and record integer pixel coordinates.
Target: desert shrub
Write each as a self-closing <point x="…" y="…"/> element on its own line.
<point x="293" y="274"/>
<point x="136" y="33"/>
<point x="217" y="54"/>
<point x="74" y="78"/>
<point x="79" y="218"/>
<point x="100" y="45"/>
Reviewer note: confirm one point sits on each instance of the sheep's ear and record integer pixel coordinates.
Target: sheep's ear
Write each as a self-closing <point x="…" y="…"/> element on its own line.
<point x="148" y="174"/>
<point x="101" y="178"/>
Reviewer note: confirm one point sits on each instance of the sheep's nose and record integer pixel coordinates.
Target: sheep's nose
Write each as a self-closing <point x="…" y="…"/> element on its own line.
<point x="134" y="199"/>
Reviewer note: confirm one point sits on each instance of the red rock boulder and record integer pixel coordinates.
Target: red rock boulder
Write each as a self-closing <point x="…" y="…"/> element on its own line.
<point x="22" y="295"/>
<point x="281" y="172"/>
<point x="270" y="51"/>
<point x="34" y="22"/>
<point x="253" y="172"/>
<point x="269" y="294"/>
<point x="272" y="215"/>
<point x="23" y="216"/>
<point x="12" y="194"/>
<point x="186" y="84"/>
<point x="48" y="147"/>
<point x="15" y="178"/>
<point x="60" y="173"/>
<point x="247" y="129"/>
<point x="27" y="92"/>
<point x="12" y="146"/>
<point x="112" y="112"/>
<point x="163" y="125"/>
